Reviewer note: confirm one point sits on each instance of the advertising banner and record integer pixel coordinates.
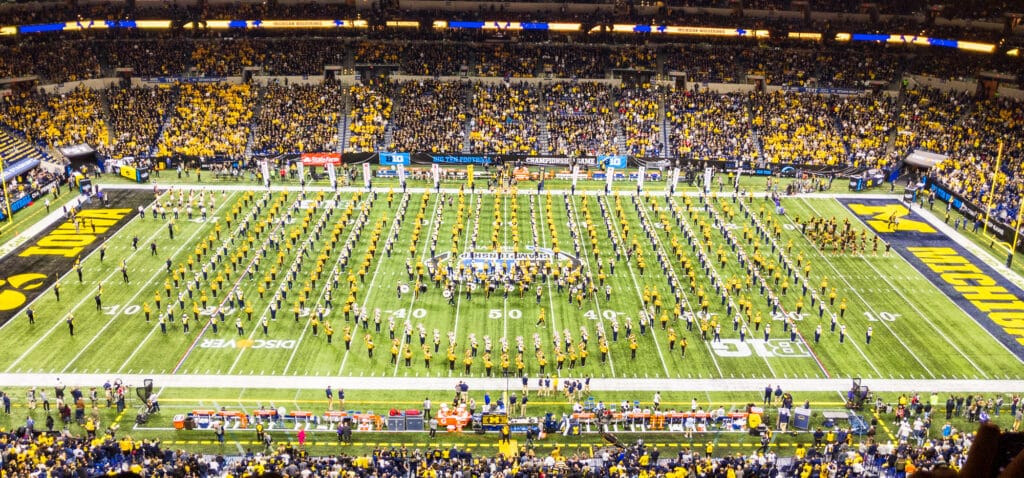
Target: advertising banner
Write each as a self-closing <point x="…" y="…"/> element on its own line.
<point x="612" y="161"/>
<point x="321" y="159"/>
<point x="129" y="172"/>
<point x="392" y="159"/>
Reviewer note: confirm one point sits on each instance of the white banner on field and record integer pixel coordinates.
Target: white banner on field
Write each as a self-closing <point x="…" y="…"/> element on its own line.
<point x="640" y="177"/>
<point x="266" y="173"/>
<point x="575" y="174"/>
<point x="611" y="174"/>
<point x="366" y="174"/>
<point x="401" y="172"/>
<point x="330" y="174"/>
<point x="436" y="170"/>
<point x="675" y="178"/>
<point x="708" y="173"/>
<point x="302" y="172"/>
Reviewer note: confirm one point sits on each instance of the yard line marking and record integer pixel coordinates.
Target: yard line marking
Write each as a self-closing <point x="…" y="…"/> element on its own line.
<point x="152" y="331"/>
<point x="59" y="323"/>
<point x="639" y="293"/>
<point x="504" y="242"/>
<point x="575" y="221"/>
<point x="130" y="301"/>
<point x="434" y="223"/>
<point x="299" y="259"/>
<point x="761" y="278"/>
<point x="465" y="244"/>
<point x="859" y="296"/>
<point x="241" y="276"/>
<point x="712" y="271"/>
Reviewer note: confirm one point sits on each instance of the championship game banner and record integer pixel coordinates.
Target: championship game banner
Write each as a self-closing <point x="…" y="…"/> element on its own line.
<point x="321" y="159"/>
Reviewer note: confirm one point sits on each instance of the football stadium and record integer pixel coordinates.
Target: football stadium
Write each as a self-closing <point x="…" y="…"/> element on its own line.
<point x="518" y="238"/>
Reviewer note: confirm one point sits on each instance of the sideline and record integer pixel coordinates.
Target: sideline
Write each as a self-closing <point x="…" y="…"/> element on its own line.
<point x="498" y="383"/>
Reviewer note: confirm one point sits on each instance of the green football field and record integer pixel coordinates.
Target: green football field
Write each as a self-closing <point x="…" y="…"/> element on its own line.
<point x="919" y="333"/>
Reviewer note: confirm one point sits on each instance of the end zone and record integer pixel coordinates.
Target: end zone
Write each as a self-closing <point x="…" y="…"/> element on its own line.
<point x="37" y="263"/>
<point x="984" y="294"/>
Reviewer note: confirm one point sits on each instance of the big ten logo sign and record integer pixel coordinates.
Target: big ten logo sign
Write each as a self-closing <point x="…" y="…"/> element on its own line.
<point x="889" y="218"/>
<point x="781" y="348"/>
<point x="11" y="295"/>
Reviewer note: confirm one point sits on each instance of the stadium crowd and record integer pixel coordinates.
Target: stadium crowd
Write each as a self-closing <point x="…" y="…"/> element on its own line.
<point x="209" y="119"/>
<point x="370" y="114"/>
<point x="503" y="115"/>
<point x="64" y="119"/>
<point x="709" y="126"/>
<point x="922" y="437"/>
<point x="797" y="129"/>
<point x="298" y="118"/>
<point x="136" y="115"/>
<point x="579" y="119"/>
<point x="431" y="116"/>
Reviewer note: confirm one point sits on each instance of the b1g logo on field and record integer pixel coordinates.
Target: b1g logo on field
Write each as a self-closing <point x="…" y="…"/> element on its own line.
<point x="772" y="348"/>
<point x="247" y="344"/>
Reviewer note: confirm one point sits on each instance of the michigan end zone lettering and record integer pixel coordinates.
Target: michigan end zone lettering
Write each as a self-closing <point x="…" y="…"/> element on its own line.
<point x="990" y="299"/>
<point x="1003" y="307"/>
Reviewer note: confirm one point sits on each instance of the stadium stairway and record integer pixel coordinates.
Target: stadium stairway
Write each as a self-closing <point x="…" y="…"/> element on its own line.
<point x="165" y="122"/>
<point x="13" y="148"/>
<point x="663" y="121"/>
<point x="105" y="108"/>
<point x="343" y="124"/>
<point x="389" y="130"/>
